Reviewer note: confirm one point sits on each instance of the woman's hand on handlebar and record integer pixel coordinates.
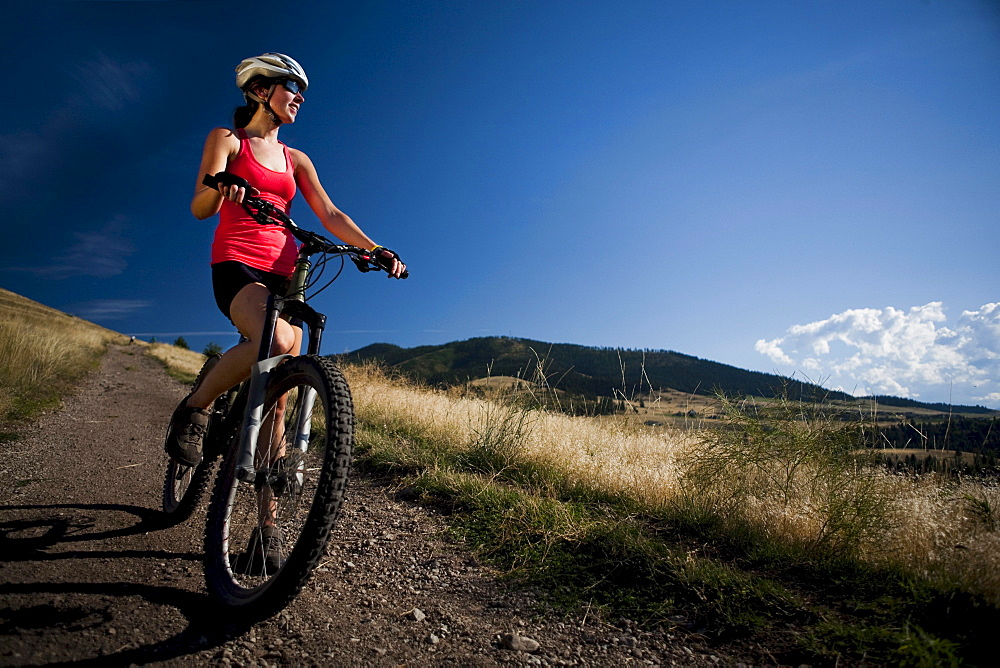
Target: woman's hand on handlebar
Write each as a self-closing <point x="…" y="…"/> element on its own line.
<point x="237" y="193"/>
<point x="389" y="260"/>
<point x="232" y="187"/>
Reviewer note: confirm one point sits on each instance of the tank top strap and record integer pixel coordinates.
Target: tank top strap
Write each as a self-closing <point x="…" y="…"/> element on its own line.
<point x="245" y="149"/>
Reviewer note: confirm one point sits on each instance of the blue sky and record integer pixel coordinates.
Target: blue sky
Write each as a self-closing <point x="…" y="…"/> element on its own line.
<point x="807" y="188"/>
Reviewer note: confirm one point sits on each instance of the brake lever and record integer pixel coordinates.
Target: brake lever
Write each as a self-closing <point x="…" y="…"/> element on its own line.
<point x="265" y="208"/>
<point x="362" y="263"/>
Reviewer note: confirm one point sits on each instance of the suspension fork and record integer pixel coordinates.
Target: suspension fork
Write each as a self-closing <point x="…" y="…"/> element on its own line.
<point x="253" y="416"/>
<point x="259" y="376"/>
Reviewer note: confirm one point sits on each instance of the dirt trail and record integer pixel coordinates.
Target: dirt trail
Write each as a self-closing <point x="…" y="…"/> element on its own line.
<point x="88" y="577"/>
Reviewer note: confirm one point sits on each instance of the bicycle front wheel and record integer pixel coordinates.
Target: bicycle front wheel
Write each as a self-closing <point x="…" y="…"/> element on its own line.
<point x="263" y="539"/>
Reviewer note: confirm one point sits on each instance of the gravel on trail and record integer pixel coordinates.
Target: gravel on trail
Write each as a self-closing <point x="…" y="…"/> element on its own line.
<point x="89" y="576"/>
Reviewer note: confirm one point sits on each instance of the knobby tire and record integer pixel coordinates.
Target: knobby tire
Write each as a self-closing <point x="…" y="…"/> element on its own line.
<point x="184" y="486"/>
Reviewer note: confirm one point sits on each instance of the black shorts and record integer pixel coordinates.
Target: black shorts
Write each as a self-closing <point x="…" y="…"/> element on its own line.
<point x="229" y="277"/>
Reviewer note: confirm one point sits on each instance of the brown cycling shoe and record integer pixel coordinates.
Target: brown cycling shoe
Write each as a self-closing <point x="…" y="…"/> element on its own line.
<point x="186" y="433"/>
<point x="263" y="555"/>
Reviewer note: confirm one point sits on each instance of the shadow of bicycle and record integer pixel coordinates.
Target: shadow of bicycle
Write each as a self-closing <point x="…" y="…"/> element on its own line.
<point x="83" y="617"/>
<point x="31" y="535"/>
<point x="204" y="627"/>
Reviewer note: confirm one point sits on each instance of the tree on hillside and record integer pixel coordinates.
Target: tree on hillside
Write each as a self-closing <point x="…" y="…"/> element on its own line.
<point x="181" y="343"/>
<point x="212" y="348"/>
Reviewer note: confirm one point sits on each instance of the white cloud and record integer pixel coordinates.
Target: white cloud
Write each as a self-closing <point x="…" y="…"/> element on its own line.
<point x="99" y="253"/>
<point x="916" y="353"/>
<point x="108" y="309"/>
<point x="772" y="350"/>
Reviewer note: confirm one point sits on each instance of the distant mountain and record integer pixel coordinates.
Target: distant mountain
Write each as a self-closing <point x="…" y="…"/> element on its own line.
<point x="597" y="372"/>
<point x="581" y="369"/>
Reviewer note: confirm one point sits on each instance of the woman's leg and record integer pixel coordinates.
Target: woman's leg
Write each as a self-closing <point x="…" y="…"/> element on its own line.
<point x="189" y="422"/>
<point x="248" y="312"/>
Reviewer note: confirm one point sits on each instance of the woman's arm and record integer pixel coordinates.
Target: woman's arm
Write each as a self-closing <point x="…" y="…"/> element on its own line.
<point x="222" y="145"/>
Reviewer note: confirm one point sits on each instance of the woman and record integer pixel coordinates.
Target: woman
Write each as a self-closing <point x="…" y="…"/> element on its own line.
<point x="249" y="260"/>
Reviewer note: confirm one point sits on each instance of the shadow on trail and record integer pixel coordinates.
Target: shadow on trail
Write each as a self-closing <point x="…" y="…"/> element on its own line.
<point x="37" y="528"/>
<point x="208" y="625"/>
<point x="50" y="532"/>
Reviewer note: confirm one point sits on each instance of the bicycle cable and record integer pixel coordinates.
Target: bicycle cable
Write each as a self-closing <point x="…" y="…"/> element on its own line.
<point x="316" y="275"/>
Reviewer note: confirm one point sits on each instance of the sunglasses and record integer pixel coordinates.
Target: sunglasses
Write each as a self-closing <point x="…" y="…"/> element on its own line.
<point x="292" y="86"/>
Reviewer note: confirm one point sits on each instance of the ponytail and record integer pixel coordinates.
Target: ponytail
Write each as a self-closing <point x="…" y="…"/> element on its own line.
<point x="243" y="115"/>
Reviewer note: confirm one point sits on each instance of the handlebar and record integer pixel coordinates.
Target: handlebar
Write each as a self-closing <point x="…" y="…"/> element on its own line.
<point x="266" y="213"/>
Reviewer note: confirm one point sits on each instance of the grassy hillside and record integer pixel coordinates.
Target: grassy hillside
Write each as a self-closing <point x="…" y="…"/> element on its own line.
<point x="45" y="352"/>
<point x="580" y="369"/>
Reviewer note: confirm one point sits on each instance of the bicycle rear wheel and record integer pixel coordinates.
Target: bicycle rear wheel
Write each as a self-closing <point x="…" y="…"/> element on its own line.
<point x="184" y="486"/>
<point x="263" y="539"/>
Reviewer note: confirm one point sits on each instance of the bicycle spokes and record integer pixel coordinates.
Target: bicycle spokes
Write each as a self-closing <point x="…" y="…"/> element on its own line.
<point x="268" y="515"/>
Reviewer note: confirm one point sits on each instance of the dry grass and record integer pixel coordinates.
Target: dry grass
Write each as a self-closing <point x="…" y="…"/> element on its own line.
<point x="42" y="353"/>
<point x="921" y="453"/>
<point x="182" y="363"/>
<point x="949" y="531"/>
<point x="818" y="498"/>
<point x="608" y="457"/>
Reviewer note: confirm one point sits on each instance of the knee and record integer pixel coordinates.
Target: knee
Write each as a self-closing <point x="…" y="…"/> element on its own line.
<point x="284" y="341"/>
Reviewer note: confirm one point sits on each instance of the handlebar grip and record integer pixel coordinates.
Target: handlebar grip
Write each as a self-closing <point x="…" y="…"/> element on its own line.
<point x="225" y="179"/>
<point x="367" y="262"/>
<point x="376" y="259"/>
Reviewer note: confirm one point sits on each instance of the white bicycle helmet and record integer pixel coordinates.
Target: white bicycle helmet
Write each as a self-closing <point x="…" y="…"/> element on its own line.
<point x="272" y="66"/>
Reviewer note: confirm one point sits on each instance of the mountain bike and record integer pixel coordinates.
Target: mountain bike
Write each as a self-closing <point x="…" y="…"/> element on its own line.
<point x="285" y="437"/>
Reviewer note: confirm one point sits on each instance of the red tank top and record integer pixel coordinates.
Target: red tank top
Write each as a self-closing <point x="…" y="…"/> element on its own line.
<point x="238" y="236"/>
